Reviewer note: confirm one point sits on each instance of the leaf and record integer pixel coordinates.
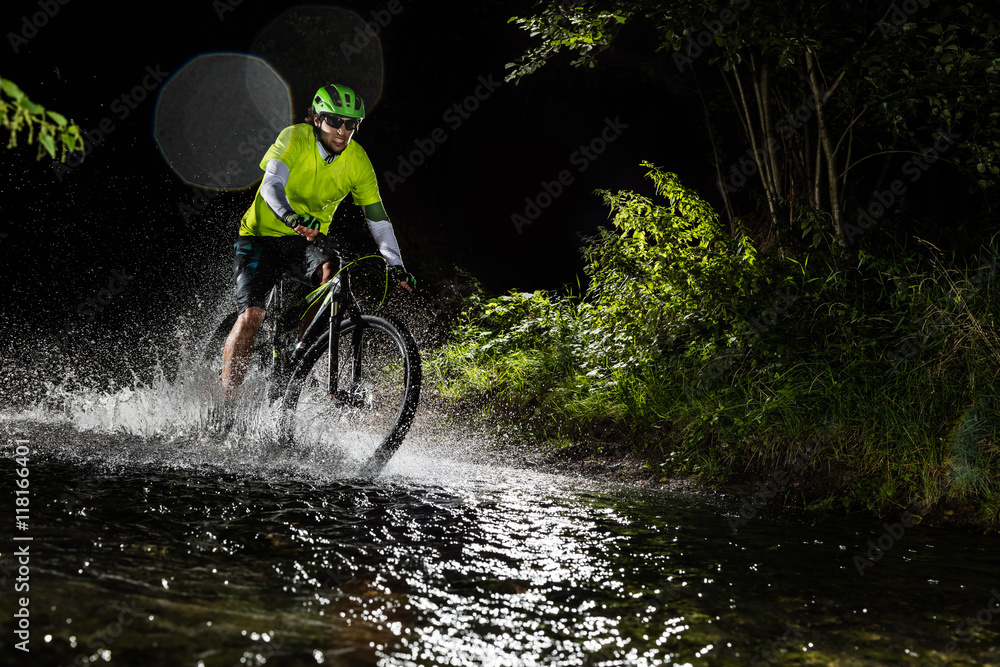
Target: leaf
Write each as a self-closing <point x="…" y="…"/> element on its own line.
<point x="30" y="106"/>
<point x="46" y="140"/>
<point x="73" y="141"/>
<point x="11" y="89"/>
<point x="58" y="118"/>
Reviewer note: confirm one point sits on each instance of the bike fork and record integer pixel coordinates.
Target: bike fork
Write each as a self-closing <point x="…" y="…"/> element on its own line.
<point x="333" y="347"/>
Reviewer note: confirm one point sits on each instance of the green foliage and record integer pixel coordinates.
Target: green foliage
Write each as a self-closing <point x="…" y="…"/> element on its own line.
<point x="950" y="77"/>
<point x="713" y="361"/>
<point x="717" y="360"/>
<point x="665" y="275"/>
<point x="823" y="87"/>
<point x="670" y="265"/>
<point x="49" y="129"/>
<point x="573" y="26"/>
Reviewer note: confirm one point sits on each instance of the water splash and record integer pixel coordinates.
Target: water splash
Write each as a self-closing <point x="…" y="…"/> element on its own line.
<point x="174" y="415"/>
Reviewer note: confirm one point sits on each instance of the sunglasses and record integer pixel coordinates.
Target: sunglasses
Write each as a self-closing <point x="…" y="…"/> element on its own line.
<point x="335" y="122"/>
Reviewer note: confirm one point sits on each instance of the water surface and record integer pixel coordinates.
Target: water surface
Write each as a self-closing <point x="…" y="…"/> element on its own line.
<point x="156" y="541"/>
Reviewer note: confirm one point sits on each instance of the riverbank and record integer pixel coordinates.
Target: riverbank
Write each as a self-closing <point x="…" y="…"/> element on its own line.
<point x="748" y="493"/>
<point x="751" y="493"/>
<point x="813" y="474"/>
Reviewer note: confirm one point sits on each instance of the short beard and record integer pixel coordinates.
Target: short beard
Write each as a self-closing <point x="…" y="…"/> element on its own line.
<point x="315" y="127"/>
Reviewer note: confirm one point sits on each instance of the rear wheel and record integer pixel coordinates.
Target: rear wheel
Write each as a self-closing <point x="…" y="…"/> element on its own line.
<point x="378" y="388"/>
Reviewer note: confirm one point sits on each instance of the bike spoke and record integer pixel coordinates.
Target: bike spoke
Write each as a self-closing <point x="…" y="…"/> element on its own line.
<point x="378" y="386"/>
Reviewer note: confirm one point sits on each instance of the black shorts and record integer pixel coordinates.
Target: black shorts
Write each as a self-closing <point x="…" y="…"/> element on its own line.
<point x="261" y="261"/>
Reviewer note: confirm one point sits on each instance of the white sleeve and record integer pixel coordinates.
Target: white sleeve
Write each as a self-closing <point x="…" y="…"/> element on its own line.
<point x="272" y="188"/>
<point x="386" y="239"/>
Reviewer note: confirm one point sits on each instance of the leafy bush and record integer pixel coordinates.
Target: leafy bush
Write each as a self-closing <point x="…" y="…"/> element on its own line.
<point x="666" y="275"/>
<point x="710" y="359"/>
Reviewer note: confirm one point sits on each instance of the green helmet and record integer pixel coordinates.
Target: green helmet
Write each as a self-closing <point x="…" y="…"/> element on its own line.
<point x="339" y="100"/>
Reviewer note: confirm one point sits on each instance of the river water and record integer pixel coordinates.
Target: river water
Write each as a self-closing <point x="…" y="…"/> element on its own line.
<point x="155" y="541"/>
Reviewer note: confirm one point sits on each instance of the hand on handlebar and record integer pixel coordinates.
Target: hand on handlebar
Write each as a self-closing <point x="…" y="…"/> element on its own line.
<point x="402" y="278"/>
<point x="303" y="225"/>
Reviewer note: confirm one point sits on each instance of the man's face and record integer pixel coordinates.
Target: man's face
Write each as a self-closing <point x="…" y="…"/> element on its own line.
<point x="334" y="140"/>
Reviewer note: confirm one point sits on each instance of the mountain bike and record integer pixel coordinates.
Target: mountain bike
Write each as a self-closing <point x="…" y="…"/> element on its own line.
<point x="351" y="376"/>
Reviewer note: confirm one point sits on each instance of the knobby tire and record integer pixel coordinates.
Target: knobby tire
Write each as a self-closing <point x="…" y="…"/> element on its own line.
<point x="378" y="389"/>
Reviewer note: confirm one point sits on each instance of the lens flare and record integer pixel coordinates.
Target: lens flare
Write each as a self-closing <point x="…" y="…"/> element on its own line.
<point x="964" y="440"/>
<point x="312" y="46"/>
<point x="217" y="115"/>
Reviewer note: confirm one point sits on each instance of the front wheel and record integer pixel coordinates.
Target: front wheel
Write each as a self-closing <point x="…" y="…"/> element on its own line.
<point x="378" y="388"/>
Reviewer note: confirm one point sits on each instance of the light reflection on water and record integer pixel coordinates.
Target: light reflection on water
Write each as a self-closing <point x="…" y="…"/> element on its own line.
<point x="179" y="549"/>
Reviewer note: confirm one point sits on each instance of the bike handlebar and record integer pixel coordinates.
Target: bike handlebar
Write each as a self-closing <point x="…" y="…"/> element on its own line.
<point x="328" y="245"/>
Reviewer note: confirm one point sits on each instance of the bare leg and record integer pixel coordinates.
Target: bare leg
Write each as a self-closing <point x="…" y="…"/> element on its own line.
<point x="239" y="348"/>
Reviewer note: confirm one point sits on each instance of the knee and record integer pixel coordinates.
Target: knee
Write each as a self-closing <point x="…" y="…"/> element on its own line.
<point x="324" y="273"/>
<point x="249" y="322"/>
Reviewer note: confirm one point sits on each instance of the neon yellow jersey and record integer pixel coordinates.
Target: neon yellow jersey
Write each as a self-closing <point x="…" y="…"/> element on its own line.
<point x="314" y="187"/>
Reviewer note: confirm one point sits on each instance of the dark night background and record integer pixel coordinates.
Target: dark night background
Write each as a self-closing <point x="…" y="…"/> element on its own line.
<point x="119" y="210"/>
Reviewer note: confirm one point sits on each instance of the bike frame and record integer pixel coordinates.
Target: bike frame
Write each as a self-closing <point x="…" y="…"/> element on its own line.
<point x="338" y="302"/>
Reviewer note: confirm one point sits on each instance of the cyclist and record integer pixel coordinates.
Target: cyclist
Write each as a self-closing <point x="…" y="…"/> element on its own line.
<point x="308" y="171"/>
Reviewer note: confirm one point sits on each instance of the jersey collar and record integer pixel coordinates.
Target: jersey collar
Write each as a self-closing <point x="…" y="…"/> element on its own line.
<point x="327" y="157"/>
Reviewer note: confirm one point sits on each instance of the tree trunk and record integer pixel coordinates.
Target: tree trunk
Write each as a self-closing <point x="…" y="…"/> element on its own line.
<point x="828" y="151"/>
<point x="769" y="141"/>
<point x="715" y="154"/>
<point x="755" y="147"/>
